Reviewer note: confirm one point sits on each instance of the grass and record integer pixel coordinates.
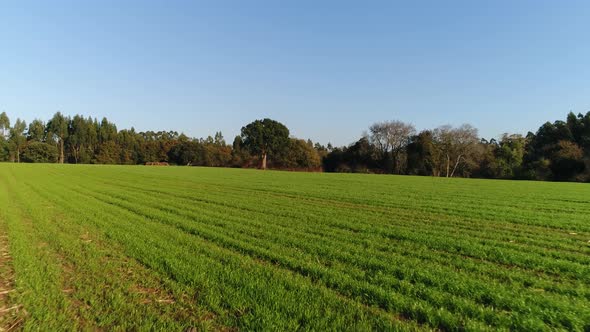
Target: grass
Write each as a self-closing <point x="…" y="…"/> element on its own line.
<point x="126" y="247"/>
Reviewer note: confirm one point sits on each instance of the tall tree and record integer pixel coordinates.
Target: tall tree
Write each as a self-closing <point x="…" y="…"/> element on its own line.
<point x="391" y="138"/>
<point x="127" y="140"/>
<point x="456" y="146"/>
<point x="567" y="161"/>
<point x="78" y="137"/>
<point x="4" y="146"/>
<point x="421" y="154"/>
<point x="4" y="149"/>
<point x="36" y="131"/>
<point x="4" y="124"/>
<point x="58" y="128"/>
<point x="509" y="155"/>
<point x="301" y="155"/>
<point x="265" y="138"/>
<point x="18" y="138"/>
<point x="107" y="131"/>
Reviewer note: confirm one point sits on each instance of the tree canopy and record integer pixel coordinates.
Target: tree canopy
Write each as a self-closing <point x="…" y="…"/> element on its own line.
<point x="558" y="151"/>
<point x="265" y="138"/>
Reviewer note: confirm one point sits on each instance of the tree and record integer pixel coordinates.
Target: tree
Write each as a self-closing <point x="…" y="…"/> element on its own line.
<point x="301" y="155"/>
<point x="36" y="131"/>
<point x="128" y="141"/>
<point x="4" y="124"/>
<point x="108" y="153"/>
<point x="39" y="152"/>
<point x="4" y="149"/>
<point x="554" y="151"/>
<point x="240" y="155"/>
<point x="219" y="140"/>
<point x="107" y="131"/>
<point x="567" y="161"/>
<point x="216" y="155"/>
<point x="391" y="138"/>
<point x="455" y="146"/>
<point x="265" y="138"/>
<point x="79" y="138"/>
<point x="58" y="129"/>
<point x="357" y="158"/>
<point x="509" y="155"/>
<point x="186" y="153"/>
<point x="420" y="154"/>
<point x="4" y="146"/>
<point x="17" y="138"/>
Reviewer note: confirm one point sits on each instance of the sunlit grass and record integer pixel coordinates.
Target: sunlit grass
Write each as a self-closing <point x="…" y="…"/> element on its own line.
<point x="171" y="248"/>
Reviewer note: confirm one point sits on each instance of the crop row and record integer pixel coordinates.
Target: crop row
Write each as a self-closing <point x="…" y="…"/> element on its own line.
<point x="219" y="230"/>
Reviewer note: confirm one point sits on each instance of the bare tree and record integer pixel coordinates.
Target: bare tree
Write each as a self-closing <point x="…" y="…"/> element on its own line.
<point x="391" y="138"/>
<point x="455" y="146"/>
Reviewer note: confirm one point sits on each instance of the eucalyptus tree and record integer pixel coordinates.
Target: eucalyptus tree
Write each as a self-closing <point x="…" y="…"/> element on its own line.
<point x="36" y="131"/>
<point x="58" y="131"/>
<point x="18" y="138"/>
<point x="4" y="124"/>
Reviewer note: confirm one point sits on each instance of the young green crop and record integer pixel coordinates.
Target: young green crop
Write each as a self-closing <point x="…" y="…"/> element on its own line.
<point x="120" y="247"/>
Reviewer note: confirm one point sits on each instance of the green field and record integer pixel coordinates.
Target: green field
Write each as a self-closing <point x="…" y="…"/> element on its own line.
<point x="168" y="248"/>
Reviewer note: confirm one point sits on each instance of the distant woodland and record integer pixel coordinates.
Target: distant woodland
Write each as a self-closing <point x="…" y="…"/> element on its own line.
<point x="557" y="151"/>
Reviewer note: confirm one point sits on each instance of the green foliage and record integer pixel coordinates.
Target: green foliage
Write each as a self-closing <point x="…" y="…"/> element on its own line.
<point x="356" y="158"/>
<point x="108" y="153"/>
<point x="421" y="154"/>
<point x="4" y="149"/>
<point x="4" y="124"/>
<point x="240" y="156"/>
<point x="39" y="152"/>
<point x="301" y="155"/>
<point x="17" y="138"/>
<point x="82" y="140"/>
<point x="186" y="153"/>
<point x="557" y="151"/>
<point x="567" y="161"/>
<point x="265" y="138"/>
<point x="509" y="155"/>
<point x="36" y="131"/>
<point x="242" y="250"/>
<point x="57" y="130"/>
<point x="210" y="152"/>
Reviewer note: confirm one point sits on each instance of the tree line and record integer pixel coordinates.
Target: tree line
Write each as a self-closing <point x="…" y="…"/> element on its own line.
<point x="85" y="140"/>
<point x="558" y="151"/>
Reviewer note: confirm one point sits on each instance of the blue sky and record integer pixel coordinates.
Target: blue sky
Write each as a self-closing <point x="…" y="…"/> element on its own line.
<point x="327" y="69"/>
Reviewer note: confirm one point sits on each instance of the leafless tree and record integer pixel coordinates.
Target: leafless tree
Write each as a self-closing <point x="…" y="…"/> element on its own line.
<point x="391" y="138"/>
<point x="455" y="146"/>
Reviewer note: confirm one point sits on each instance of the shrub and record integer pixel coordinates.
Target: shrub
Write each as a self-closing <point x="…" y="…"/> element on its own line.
<point x="39" y="152"/>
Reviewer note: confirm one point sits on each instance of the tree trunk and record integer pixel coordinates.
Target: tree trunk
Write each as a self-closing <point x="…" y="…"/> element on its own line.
<point x="18" y="155"/>
<point x="264" y="161"/>
<point x="448" y="165"/>
<point x="61" y="151"/>
<point x="456" y="165"/>
<point x="76" y="153"/>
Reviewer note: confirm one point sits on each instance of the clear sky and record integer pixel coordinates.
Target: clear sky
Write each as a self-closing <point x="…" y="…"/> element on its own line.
<point x="327" y="69"/>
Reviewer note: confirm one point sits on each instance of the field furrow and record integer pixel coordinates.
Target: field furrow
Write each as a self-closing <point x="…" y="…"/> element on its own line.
<point x="174" y="248"/>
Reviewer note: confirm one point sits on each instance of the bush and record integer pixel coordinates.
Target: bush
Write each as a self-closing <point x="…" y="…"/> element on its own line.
<point x="38" y="152"/>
